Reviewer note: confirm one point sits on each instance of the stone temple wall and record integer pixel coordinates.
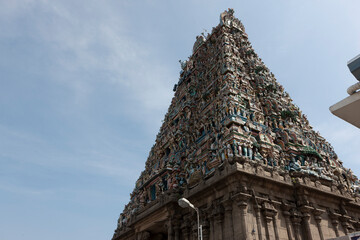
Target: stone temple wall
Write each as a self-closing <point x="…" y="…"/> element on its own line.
<point x="249" y="201"/>
<point x="233" y="143"/>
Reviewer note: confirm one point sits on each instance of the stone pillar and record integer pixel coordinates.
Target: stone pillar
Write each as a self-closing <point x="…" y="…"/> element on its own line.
<point x="170" y="230"/>
<point x="228" y="220"/>
<point x="241" y="200"/>
<point x="268" y="233"/>
<point x="177" y="232"/>
<point x="258" y="221"/>
<point x="243" y="207"/>
<point x="357" y="226"/>
<point x="194" y="230"/>
<point x="185" y="227"/>
<point x="143" y="235"/>
<point x="352" y="223"/>
<point x="335" y="222"/>
<point x="296" y="221"/>
<point x="176" y="227"/>
<point x="185" y="232"/>
<point x="217" y="214"/>
<point x="317" y="216"/>
<point x="286" y="215"/>
<point x="269" y="213"/>
<point x="345" y="223"/>
<point x="206" y="230"/>
<point x="218" y="221"/>
<point x="211" y="228"/>
<point x="275" y="226"/>
<point x="305" y="210"/>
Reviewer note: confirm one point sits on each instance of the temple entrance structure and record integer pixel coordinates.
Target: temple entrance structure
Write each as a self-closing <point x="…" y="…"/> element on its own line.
<point x="235" y="145"/>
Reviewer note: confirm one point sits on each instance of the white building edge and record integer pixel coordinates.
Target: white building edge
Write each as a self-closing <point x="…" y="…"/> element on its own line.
<point x="348" y="109"/>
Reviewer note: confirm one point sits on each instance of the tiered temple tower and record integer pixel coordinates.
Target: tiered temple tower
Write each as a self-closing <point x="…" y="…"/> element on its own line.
<point x="235" y="145"/>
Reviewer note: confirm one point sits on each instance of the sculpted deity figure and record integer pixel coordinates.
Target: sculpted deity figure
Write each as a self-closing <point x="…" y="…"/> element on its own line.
<point x="222" y="154"/>
<point x="120" y="223"/>
<point x="294" y="165"/>
<point x="234" y="147"/>
<point x="270" y="160"/>
<point x="250" y="151"/>
<point x="244" y="151"/>
<point x="299" y="162"/>
<point x="229" y="151"/>
<point x="246" y="128"/>
<point x="257" y="154"/>
<point x="356" y="187"/>
<point x="170" y="182"/>
<point x="230" y="111"/>
<point x="260" y="118"/>
<point x="142" y="198"/>
<point x="305" y="165"/>
<point x="240" y="150"/>
<point x="183" y="64"/>
<point x="281" y="161"/>
<point x="242" y="113"/>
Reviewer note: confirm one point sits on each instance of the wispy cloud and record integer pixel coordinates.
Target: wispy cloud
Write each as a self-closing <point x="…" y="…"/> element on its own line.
<point x="81" y="40"/>
<point x="26" y="152"/>
<point x="25" y="191"/>
<point x="124" y="172"/>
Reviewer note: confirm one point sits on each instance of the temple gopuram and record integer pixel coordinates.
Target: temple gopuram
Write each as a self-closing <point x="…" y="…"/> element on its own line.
<point x="235" y="145"/>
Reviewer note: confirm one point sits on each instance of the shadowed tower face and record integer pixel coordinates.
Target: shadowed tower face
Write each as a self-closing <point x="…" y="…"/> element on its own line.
<point x="233" y="137"/>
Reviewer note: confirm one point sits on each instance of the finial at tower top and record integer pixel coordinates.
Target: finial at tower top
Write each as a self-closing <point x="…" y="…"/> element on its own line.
<point x="227" y="18"/>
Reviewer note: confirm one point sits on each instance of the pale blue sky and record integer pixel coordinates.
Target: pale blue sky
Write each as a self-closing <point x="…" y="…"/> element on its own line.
<point x="85" y="86"/>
